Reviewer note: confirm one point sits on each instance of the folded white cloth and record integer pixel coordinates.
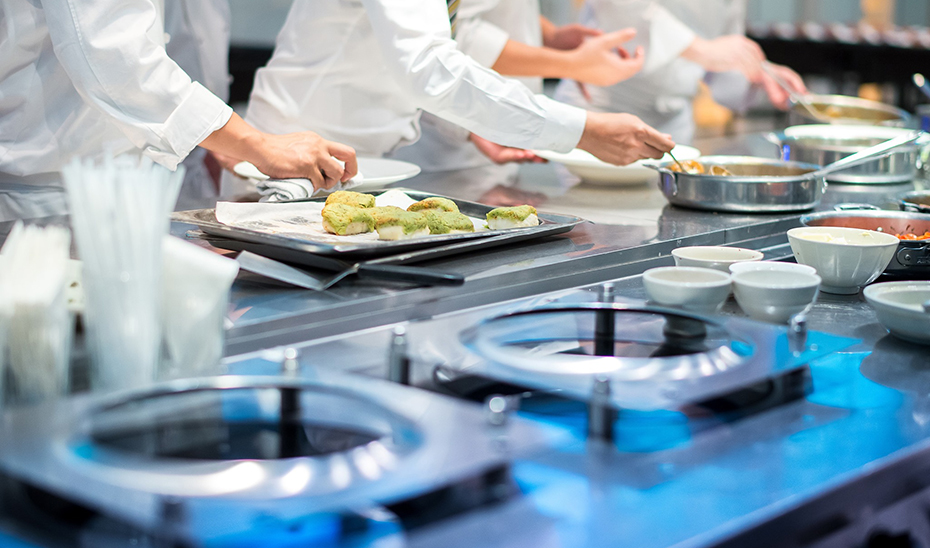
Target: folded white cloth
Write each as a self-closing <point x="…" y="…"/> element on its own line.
<point x="283" y="190"/>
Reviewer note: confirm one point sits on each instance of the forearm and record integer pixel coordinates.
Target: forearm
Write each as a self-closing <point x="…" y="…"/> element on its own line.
<point x="548" y="30"/>
<point x="519" y="59"/>
<point x="237" y="139"/>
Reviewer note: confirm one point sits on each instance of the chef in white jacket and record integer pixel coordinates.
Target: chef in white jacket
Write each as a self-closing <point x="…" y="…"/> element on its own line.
<point x="686" y="41"/>
<point x="512" y="38"/>
<point x="80" y="77"/>
<point x="198" y="33"/>
<point x="359" y="71"/>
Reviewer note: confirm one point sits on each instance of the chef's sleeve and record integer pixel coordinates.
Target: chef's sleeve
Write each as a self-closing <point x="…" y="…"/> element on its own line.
<point x="415" y="39"/>
<point x="114" y="54"/>
<point x="477" y="38"/>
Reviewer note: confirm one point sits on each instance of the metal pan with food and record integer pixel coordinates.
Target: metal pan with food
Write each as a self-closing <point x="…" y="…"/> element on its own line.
<point x="913" y="229"/>
<point x="917" y="201"/>
<point x="844" y="109"/>
<point x="824" y="144"/>
<point x="758" y="185"/>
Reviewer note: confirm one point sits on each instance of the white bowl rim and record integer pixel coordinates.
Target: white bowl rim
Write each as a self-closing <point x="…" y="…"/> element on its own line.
<point x="844" y="131"/>
<point x="724" y="280"/>
<point x="875" y="292"/>
<point x="793" y="233"/>
<point x="812" y="280"/>
<point x="780" y="266"/>
<point x="677" y="252"/>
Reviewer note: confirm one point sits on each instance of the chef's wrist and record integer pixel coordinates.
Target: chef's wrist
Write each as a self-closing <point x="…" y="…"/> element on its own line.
<point x="698" y="52"/>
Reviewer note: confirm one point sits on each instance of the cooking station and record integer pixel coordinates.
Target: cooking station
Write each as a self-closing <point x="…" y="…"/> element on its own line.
<point x="573" y="412"/>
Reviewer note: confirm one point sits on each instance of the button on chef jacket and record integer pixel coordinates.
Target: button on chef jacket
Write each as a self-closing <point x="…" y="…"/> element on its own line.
<point x="482" y="30"/>
<point x="78" y="77"/>
<point x="358" y="71"/>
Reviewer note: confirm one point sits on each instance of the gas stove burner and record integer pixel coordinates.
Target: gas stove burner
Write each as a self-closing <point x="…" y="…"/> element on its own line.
<point x="653" y="358"/>
<point x="173" y="458"/>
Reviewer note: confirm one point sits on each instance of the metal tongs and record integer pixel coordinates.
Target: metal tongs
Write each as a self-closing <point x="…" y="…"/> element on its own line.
<point x="794" y="97"/>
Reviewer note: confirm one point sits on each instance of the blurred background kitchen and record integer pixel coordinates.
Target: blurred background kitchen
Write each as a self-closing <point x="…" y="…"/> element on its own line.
<point x="868" y="48"/>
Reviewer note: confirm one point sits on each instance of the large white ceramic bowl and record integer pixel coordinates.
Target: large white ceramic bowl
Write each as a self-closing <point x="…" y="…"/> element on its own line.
<point x="596" y="172"/>
<point x="771" y="266"/>
<point x="713" y="256"/>
<point x="773" y="295"/>
<point x="899" y="307"/>
<point x="697" y="289"/>
<point x="846" y="258"/>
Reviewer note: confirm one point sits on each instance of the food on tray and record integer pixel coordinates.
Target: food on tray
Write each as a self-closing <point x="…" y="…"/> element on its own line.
<point x="693" y="167"/>
<point x="379" y="211"/>
<point x="912" y="236"/>
<point x="512" y="217"/>
<point x="401" y="225"/>
<point x="354" y="199"/>
<point x="447" y="222"/>
<point x="346" y="220"/>
<point x="442" y="204"/>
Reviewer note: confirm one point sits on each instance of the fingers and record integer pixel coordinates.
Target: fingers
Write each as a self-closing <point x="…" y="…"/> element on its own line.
<point x="347" y="155"/>
<point x="620" y="37"/>
<point x="657" y="140"/>
<point x="792" y="78"/>
<point x="316" y="177"/>
<point x="586" y="31"/>
<point x="332" y="171"/>
<point x="584" y="91"/>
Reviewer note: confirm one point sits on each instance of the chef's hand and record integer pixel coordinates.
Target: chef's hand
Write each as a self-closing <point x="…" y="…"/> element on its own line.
<point x="602" y="61"/>
<point x="294" y="155"/>
<point x="622" y="139"/>
<point x="500" y="154"/>
<point x="726" y="53"/>
<point x="777" y="94"/>
<point x="566" y="37"/>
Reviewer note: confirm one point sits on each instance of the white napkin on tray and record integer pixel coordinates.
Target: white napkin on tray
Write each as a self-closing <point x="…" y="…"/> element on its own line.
<point x="283" y="190"/>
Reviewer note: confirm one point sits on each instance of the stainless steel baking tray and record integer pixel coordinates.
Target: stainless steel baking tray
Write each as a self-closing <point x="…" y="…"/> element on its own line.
<point x="758" y="185"/>
<point x="430" y="247"/>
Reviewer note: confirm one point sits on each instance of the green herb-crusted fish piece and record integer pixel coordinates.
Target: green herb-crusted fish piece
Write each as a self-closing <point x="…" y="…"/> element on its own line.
<point x="354" y="199"/>
<point x="346" y="220"/>
<point x="381" y="211"/>
<point x="442" y="204"/>
<point x="446" y="222"/>
<point x="512" y="217"/>
<point x="401" y="225"/>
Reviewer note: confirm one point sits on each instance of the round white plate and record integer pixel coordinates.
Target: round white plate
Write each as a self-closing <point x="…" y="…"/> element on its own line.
<point x="591" y="170"/>
<point x="375" y="173"/>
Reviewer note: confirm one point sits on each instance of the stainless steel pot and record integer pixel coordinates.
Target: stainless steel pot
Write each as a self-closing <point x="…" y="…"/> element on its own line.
<point x="757" y="185"/>
<point x="843" y="109"/>
<point x="824" y="144"/>
<point x="916" y="202"/>
<point x="912" y="255"/>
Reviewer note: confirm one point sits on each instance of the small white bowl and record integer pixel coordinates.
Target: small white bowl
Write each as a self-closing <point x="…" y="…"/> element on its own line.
<point x="716" y="257"/>
<point x="775" y="295"/>
<point x="698" y="289"/>
<point x="771" y="266"/>
<point x="899" y="307"/>
<point x="855" y="260"/>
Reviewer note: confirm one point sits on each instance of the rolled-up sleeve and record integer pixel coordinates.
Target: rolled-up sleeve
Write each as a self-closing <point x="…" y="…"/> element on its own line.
<point x="415" y="37"/>
<point x="113" y="52"/>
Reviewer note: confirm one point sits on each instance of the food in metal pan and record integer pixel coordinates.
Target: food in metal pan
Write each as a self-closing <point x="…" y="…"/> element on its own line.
<point x="441" y="204"/>
<point x="447" y="222"/>
<point x="345" y="220"/>
<point x="512" y="217"/>
<point x="354" y="199"/>
<point x="693" y="167"/>
<point x="401" y="225"/>
<point x="912" y="236"/>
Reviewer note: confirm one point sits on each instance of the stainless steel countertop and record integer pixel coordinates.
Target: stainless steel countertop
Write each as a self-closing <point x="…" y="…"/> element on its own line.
<point x="633" y="228"/>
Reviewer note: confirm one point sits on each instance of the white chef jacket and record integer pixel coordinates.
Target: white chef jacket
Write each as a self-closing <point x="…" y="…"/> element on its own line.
<point x="662" y="92"/>
<point x="198" y="33"/>
<point x="483" y="29"/>
<point x="78" y="77"/>
<point x="357" y="71"/>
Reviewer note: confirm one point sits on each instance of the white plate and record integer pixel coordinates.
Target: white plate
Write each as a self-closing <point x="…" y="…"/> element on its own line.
<point x="591" y="170"/>
<point x="375" y="173"/>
